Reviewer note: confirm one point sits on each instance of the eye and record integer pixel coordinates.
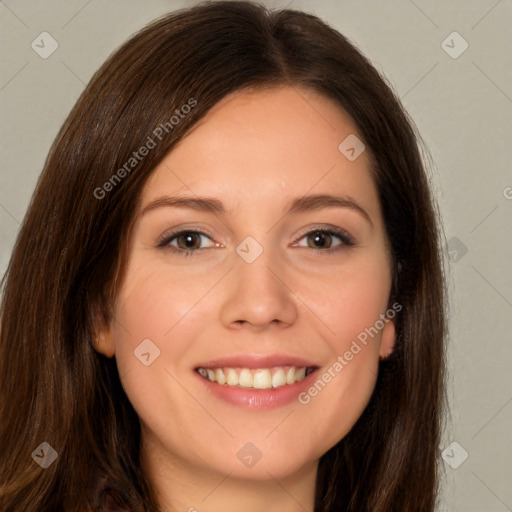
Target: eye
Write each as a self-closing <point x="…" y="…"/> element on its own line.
<point x="189" y="242"/>
<point x="186" y="242"/>
<point x="324" y="240"/>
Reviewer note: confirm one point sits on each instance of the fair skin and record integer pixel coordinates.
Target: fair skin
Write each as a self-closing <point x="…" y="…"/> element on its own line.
<point x="255" y="152"/>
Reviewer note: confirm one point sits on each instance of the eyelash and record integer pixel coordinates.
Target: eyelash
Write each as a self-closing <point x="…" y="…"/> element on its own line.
<point x="345" y="238"/>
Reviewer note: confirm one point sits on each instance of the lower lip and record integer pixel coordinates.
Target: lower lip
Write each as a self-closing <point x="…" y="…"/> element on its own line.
<point x="259" y="398"/>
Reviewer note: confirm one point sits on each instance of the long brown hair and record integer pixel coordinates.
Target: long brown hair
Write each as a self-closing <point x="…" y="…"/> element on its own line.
<point x="70" y="253"/>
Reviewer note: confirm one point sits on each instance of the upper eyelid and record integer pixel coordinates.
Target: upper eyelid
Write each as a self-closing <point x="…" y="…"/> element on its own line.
<point x="167" y="237"/>
<point x="328" y="228"/>
<point x="186" y="229"/>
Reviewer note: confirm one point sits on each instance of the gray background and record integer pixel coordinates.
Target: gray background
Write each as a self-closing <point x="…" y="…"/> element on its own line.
<point x="462" y="107"/>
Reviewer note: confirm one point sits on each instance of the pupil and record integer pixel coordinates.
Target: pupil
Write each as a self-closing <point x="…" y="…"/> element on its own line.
<point x="189" y="240"/>
<point x="320" y="238"/>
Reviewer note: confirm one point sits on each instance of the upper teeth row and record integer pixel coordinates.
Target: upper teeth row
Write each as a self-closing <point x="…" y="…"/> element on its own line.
<point x="259" y="379"/>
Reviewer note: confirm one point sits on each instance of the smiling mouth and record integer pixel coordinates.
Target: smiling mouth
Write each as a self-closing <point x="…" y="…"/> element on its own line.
<point x="261" y="378"/>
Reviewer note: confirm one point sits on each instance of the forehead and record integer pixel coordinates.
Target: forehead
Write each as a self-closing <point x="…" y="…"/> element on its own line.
<point x="268" y="144"/>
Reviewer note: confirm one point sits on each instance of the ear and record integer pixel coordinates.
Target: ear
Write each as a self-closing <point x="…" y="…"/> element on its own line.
<point x="103" y="338"/>
<point x="387" y="341"/>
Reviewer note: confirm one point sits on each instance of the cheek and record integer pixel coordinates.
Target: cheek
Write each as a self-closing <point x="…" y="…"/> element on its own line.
<point x="155" y="298"/>
<point x="155" y="306"/>
<point x="155" y="325"/>
<point x="349" y="301"/>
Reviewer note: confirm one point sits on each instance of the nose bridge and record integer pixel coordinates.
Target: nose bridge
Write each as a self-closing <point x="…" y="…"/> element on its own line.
<point x="258" y="294"/>
<point x="257" y="269"/>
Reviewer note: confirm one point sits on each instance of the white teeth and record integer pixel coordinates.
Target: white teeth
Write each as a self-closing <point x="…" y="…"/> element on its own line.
<point x="245" y="379"/>
<point x="219" y="376"/>
<point x="262" y="378"/>
<point x="279" y="378"/>
<point x="231" y="377"/>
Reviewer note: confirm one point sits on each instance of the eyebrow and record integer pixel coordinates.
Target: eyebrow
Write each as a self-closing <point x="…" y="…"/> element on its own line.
<point x="300" y="204"/>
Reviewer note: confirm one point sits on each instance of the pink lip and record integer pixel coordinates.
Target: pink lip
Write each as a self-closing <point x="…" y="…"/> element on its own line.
<point x="258" y="398"/>
<point x="255" y="361"/>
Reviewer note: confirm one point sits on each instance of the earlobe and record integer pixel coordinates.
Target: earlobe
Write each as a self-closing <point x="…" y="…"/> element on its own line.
<point x="387" y="341"/>
<point x="103" y="340"/>
<point x="103" y="343"/>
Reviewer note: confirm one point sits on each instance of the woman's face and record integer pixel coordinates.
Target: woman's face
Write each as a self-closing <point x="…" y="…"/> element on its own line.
<point x="280" y="270"/>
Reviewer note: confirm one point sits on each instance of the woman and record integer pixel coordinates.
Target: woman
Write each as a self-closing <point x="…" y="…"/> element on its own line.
<point x="228" y="288"/>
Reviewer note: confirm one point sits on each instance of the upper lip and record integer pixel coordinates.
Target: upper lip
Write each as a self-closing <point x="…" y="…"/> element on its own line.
<point x="255" y="361"/>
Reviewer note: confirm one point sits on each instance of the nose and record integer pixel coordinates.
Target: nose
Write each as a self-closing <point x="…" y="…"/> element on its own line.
<point x="257" y="295"/>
